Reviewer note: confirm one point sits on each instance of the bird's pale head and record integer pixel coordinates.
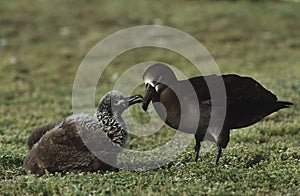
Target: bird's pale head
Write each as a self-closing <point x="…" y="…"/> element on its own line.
<point x="114" y="102"/>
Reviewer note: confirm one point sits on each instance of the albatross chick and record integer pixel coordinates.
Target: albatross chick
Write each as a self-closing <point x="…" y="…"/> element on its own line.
<point x="76" y="143"/>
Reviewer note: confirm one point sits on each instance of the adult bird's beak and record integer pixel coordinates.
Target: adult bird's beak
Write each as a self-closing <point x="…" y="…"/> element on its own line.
<point x="150" y="90"/>
<point x="134" y="99"/>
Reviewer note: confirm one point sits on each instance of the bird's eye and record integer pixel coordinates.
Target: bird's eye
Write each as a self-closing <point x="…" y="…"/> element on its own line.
<point x="118" y="102"/>
<point x="154" y="83"/>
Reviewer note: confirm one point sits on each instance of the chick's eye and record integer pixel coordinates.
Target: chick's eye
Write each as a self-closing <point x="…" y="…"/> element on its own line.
<point x="119" y="102"/>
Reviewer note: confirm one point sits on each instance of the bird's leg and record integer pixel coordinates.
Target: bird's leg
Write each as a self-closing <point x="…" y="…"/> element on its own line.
<point x="218" y="154"/>
<point x="222" y="142"/>
<point x="198" y="139"/>
<point x="197" y="149"/>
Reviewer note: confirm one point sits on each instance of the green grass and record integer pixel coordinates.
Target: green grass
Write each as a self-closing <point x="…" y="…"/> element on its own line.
<point x="42" y="44"/>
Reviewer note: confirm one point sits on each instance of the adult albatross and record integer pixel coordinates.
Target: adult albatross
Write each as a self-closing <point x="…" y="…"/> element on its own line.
<point x="246" y="102"/>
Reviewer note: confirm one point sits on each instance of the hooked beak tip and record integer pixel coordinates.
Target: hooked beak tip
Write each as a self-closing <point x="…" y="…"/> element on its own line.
<point x="145" y="106"/>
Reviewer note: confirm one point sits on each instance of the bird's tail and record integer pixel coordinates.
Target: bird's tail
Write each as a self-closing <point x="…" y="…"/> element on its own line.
<point x="283" y="104"/>
<point x="38" y="133"/>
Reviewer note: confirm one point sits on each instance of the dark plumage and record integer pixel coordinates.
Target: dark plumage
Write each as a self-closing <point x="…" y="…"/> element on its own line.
<point x="246" y="102"/>
<point x="76" y="143"/>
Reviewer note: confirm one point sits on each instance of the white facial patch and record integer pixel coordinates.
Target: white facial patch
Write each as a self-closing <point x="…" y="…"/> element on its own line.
<point x="157" y="88"/>
<point x="149" y="82"/>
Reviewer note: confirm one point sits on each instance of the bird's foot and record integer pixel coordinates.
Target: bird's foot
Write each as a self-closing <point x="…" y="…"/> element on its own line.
<point x="218" y="154"/>
<point x="196" y="156"/>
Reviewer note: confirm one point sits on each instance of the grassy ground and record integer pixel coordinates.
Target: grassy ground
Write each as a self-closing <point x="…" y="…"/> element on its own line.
<point x="42" y="44"/>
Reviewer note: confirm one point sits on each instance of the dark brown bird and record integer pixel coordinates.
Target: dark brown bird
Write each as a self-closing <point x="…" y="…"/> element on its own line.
<point x="76" y="143"/>
<point x="188" y="105"/>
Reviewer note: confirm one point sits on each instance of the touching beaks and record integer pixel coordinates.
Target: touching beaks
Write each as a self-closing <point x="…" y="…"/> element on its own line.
<point x="135" y="99"/>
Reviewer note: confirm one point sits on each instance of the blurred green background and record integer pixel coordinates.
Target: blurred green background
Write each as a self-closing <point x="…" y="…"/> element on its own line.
<point x="42" y="43"/>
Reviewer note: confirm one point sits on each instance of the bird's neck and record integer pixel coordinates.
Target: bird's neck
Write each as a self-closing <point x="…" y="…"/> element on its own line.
<point x="113" y="126"/>
<point x="108" y="116"/>
<point x="168" y="101"/>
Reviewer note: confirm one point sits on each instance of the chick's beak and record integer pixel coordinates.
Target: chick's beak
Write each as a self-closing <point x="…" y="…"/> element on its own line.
<point x="135" y="99"/>
<point x="150" y="90"/>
